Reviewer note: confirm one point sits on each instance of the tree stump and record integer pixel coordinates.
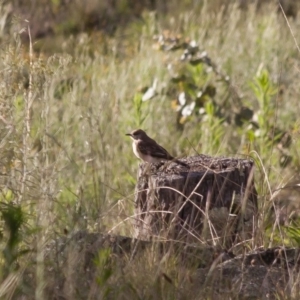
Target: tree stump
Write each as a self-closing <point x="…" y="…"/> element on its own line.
<point x="208" y="199"/>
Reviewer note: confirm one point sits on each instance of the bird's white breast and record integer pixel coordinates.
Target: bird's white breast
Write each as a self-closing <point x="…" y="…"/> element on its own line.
<point x="134" y="148"/>
<point x="144" y="157"/>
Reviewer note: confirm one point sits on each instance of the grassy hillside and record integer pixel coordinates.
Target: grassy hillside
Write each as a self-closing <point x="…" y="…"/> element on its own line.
<point x="66" y="164"/>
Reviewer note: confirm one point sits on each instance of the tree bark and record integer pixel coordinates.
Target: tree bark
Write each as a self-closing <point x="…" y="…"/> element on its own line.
<point x="208" y="199"/>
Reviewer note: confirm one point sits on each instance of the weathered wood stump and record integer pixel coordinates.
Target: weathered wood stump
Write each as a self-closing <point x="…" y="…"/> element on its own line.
<point x="211" y="199"/>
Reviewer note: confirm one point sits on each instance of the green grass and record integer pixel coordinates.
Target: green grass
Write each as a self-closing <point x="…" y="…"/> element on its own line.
<point x="66" y="164"/>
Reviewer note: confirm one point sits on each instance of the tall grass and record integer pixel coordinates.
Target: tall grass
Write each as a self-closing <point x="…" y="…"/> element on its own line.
<point x="67" y="166"/>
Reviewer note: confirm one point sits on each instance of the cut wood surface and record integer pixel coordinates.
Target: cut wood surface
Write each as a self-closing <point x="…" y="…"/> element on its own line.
<point x="210" y="198"/>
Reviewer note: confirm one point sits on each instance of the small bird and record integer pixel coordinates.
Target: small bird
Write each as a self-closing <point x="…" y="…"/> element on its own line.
<point x="147" y="149"/>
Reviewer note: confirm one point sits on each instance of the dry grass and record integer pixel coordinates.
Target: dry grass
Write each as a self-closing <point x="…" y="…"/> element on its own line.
<point x="66" y="162"/>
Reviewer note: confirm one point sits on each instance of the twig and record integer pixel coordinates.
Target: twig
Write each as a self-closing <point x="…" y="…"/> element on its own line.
<point x="287" y="21"/>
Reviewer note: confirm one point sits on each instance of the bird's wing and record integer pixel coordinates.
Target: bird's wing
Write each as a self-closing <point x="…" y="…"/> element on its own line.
<point x="153" y="149"/>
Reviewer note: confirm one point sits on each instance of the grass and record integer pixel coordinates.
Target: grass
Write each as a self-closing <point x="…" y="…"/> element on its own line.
<point x="66" y="164"/>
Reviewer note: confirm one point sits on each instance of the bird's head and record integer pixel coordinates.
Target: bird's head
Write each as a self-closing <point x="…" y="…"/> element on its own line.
<point x="137" y="134"/>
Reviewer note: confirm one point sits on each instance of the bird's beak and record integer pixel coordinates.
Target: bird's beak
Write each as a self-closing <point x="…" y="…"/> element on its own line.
<point x="128" y="134"/>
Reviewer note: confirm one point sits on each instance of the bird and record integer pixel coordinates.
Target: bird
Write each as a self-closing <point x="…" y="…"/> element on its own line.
<point x="148" y="150"/>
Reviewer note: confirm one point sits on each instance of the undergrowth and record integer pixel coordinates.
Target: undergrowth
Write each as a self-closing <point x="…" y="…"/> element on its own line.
<point x="204" y="82"/>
